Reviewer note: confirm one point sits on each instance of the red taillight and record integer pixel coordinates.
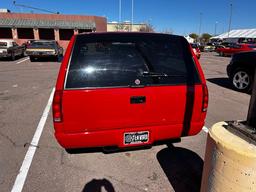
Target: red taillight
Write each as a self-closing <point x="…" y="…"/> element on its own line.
<point x="205" y="98"/>
<point x="56" y="107"/>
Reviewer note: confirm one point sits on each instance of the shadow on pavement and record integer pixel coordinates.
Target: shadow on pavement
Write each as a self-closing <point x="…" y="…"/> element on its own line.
<point x="96" y="185"/>
<point x="182" y="167"/>
<point x="223" y="82"/>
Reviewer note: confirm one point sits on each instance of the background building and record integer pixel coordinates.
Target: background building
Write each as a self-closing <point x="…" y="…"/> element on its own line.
<point x="24" y="26"/>
<point x="125" y="26"/>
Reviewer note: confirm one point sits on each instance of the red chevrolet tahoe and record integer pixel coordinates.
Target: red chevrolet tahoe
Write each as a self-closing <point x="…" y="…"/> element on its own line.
<point x="128" y="89"/>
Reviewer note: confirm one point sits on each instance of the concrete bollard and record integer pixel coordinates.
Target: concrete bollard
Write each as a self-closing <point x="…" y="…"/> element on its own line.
<point x="230" y="162"/>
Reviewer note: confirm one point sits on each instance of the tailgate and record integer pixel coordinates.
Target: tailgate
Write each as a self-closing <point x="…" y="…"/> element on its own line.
<point x="103" y="109"/>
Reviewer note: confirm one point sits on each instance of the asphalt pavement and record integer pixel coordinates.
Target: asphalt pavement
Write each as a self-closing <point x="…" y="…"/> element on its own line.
<point x="25" y="89"/>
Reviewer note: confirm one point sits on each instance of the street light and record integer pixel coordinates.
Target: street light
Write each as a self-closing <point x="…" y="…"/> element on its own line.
<point x="200" y="24"/>
<point x="230" y="18"/>
<point x="120" y="11"/>
<point x="132" y="14"/>
<point x="215" y="29"/>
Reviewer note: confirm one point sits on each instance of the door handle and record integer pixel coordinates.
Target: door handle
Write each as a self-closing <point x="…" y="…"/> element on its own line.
<point x="137" y="99"/>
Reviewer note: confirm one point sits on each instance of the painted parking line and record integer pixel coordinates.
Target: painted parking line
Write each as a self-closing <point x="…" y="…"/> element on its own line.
<point x="22" y="60"/>
<point x="21" y="177"/>
<point x="205" y="129"/>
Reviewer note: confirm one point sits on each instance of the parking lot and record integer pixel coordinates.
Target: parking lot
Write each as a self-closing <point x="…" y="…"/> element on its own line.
<point x="25" y="88"/>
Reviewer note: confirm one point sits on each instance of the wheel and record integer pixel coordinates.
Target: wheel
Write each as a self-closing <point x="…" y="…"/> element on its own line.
<point x="12" y="56"/>
<point x="32" y="59"/>
<point x="242" y="80"/>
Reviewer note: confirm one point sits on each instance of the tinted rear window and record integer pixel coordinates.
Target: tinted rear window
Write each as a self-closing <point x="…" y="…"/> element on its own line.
<point x="116" y="60"/>
<point x="3" y="44"/>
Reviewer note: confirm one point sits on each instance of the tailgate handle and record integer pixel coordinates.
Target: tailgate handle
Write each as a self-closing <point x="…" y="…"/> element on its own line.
<point x="137" y="99"/>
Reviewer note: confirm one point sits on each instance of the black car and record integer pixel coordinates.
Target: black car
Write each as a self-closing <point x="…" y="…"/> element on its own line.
<point x="241" y="70"/>
<point x="44" y="48"/>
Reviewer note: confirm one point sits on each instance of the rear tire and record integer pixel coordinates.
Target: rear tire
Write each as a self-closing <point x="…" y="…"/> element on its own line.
<point x="32" y="59"/>
<point x="12" y="56"/>
<point x="241" y="80"/>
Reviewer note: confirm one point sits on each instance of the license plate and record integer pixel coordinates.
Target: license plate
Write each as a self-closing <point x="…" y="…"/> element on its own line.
<point x="136" y="137"/>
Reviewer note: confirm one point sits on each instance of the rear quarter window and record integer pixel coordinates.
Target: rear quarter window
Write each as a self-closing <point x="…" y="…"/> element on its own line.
<point x="130" y="60"/>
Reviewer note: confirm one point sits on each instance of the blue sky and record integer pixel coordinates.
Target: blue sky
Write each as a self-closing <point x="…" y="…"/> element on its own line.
<point x="180" y="16"/>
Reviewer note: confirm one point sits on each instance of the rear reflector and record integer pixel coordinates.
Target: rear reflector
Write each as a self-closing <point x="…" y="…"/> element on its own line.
<point x="205" y="98"/>
<point x="56" y="107"/>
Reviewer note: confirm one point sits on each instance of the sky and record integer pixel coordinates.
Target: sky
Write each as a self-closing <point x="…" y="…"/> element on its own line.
<point x="181" y="17"/>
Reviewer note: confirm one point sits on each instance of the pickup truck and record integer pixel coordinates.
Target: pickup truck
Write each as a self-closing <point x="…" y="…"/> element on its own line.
<point x="10" y="49"/>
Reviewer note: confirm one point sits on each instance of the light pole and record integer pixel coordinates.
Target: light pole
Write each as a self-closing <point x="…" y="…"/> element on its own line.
<point x="230" y="18"/>
<point x="215" y="28"/>
<point x="132" y="14"/>
<point x="120" y="11"/>
<point x="200" y="24"/>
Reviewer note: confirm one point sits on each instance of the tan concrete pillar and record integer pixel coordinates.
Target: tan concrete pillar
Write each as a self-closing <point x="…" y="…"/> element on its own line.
<point x="36" y="33"/>
<point x="56" y="34"/>
<point x="14" y="34"/>
<point x="230" y="162"/>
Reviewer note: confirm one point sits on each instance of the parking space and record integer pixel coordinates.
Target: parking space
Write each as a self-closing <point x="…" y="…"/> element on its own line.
<point x="25" y="88"/>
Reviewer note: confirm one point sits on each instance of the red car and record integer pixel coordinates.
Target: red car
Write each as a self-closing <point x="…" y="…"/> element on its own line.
<point x="235" y="48"/>
<point x="196" y="50"/>
<point x="128" y="89"/>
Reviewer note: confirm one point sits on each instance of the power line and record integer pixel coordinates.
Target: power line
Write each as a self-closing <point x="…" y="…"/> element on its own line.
<point x="35" y="8"/>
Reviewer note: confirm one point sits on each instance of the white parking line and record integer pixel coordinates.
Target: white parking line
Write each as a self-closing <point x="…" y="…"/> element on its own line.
<point x="21" y="177"/>
<point x="205" y="129"/>
<point x="22" y="60"/>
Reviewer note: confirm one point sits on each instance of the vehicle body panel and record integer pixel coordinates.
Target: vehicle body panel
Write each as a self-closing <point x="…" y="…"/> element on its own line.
<point x="94" y="117"/>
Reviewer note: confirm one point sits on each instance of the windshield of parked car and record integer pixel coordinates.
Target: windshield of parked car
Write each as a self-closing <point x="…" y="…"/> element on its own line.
<point x="193" y="45"/>
<point x="3" y="44"/>
<point x="42" y="43"/>
<point x="112" y="61"/>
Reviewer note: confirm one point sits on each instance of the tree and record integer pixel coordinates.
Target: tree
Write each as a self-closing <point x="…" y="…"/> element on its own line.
<point x="205" y="37"/>
<point x="194" y="36"/>
<point x="121" y="27"/>
<point x="147" y="28"/>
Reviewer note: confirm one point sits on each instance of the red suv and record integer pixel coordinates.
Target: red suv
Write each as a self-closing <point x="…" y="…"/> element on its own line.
<point x="128" y="89"/>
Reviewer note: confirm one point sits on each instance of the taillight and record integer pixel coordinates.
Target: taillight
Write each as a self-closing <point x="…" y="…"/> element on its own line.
<point x="56" y="107"/>
<point x="205" y="98"/>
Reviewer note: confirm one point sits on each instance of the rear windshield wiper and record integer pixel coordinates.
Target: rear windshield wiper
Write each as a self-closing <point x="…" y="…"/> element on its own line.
<point x="157" y="74"/>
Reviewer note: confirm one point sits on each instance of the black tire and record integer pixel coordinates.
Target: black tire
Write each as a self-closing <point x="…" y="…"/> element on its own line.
<point x="32" y="59"/>
<point x="241" y="80"/>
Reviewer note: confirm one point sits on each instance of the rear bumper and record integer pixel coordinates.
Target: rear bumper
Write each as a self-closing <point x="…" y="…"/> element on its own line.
<point x="116" y="137"/>
<point x="3" y="55"/>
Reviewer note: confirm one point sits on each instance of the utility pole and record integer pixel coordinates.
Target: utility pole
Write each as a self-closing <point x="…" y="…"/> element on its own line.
<point x="230" y="18"/>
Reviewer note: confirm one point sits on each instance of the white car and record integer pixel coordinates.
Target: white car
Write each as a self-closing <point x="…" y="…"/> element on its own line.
<point x="10" y="49"/>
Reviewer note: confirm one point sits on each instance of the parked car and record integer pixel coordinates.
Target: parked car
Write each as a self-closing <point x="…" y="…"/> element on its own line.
<point x="235" y="48"/>
<point x="241" y="70"/>
<point x="128" y="89"/>
<point x="10" y="49"/>
<point x="43" y="48"/>
<point x="196" y="50"/>
<point x="209" y="47"/>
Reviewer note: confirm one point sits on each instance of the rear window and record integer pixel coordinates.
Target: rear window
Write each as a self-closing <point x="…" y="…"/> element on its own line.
<point x="130" y="60"/>
<point x="3" y="44"/>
